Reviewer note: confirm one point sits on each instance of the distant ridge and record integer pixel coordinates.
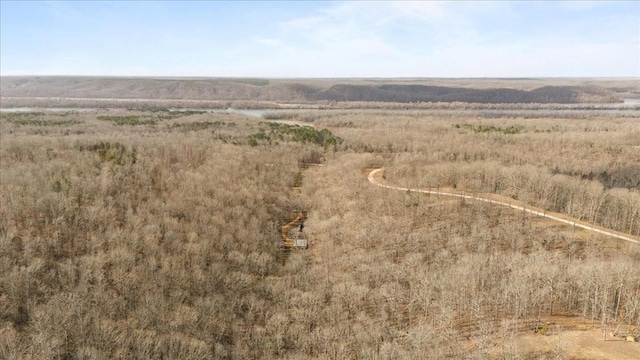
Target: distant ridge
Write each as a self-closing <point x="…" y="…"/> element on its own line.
<point x="485" y="91"/>
<point x="422" y="93"/>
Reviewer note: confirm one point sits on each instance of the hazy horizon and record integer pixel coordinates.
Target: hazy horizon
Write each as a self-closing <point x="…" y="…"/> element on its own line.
<point x="400" y="78"/>
<point x="321" y="40"/>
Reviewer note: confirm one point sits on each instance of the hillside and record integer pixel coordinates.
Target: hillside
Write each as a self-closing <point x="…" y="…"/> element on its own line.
<point x="423" y="93"/>
<point x="489" y="91"/>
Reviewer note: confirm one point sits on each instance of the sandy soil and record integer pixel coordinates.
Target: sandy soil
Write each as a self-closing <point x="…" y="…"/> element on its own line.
<point x="573" y="344"/>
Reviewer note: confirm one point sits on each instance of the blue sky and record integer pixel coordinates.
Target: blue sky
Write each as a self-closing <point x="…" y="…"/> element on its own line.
<point x="321" y="39"/>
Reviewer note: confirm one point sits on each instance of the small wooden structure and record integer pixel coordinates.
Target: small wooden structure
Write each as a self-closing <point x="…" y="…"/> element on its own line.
<point x="293" y="234"/>
<point x="300" y="241"/>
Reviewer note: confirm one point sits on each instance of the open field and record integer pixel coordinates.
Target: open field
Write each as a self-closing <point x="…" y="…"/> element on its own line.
<point x="157" y="234"/>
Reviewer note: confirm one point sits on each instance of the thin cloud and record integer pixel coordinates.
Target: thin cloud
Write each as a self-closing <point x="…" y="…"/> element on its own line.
<point x="458" y="39"/>
<point x="268" y="41"/>
<point x="326" y="39"/>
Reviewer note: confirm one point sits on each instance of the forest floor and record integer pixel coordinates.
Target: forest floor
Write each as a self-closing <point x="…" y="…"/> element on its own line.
<point x="572" y="338"/>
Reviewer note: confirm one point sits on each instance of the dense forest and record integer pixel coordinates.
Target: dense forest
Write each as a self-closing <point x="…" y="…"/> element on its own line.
<point x="158" y="234"/>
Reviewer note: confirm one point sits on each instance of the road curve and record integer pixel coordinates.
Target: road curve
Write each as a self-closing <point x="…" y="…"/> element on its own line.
<point x="515" y="205"/>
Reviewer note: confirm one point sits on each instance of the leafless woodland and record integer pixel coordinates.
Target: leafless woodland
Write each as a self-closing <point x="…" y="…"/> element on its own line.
<point x="139" y="234"/>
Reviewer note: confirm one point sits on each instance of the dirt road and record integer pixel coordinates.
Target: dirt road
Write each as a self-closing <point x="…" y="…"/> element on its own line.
<point x="375" y="177"/>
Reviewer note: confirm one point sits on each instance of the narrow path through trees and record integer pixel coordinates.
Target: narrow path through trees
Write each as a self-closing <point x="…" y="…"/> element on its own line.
<point x="376" y="174"/>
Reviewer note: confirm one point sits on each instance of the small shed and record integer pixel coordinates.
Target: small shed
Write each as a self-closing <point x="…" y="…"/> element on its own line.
<point x="300" y="241"/>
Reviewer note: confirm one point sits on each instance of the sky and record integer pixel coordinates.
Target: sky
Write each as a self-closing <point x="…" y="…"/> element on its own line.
<point x="289" y="39"/>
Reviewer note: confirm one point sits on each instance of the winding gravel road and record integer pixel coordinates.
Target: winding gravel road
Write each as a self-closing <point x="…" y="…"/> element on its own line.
<point x="513" y="204"/>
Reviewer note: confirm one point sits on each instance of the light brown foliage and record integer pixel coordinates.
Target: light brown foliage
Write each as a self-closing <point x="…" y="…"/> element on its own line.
<point x="158" y="240"/>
